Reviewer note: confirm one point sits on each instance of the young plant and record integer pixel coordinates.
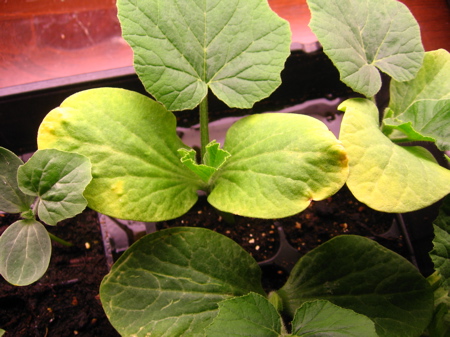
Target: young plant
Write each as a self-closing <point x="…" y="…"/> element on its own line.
<point x="196" y="282"/>
<point x="271" y="165"/>
<point x="49" y="187"/>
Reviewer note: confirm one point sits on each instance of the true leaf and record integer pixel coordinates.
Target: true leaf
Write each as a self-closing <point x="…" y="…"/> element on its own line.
<point x="357" y="273"/>
<point x="323" y="318"/>
<point x="441" y="243"/>
<point x="431" y="83"/>
<point x="383" y="175"/>
<point x="420" y="108"/>
<point x="12" y="199"/>
<point x="182" y="48"/>
<point x="360" y="36"/>
<point x="170" y="283"/>
<point x="132" y="144"/>
<point x="246" y="316"/>
<point x="214" y="158"/>
<point x="25" y="251"/>
<point x="279" y="163"/>
<point x="58" y="179"/>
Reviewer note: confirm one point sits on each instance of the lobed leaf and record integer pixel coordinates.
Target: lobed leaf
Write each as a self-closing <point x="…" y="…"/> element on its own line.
<point x="12" y="199"/>
<point x="58" y="179"/>
<point x="278" y="164"/>
<point x="323" y="318"/>
<point x="132" y="144"/>
<point x="357" y="273"/>
<point x="170" y="283"/>
<point x="420" y="108"/>
<point x="383" y="175"/>
<point x="431" y="83"/>
<point x="362" y="36"/>
<point x="182" y="48"/>
<point x="25" y="251"/>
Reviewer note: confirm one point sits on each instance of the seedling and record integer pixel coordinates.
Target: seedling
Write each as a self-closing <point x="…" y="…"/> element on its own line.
<point x="49" y="187"/>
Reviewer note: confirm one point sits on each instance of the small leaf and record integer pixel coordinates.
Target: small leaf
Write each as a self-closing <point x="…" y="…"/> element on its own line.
<point x="170" y="283"/>
<point x="132" y="144"/>
<point x="12" y="199"/>
<point x="279" y="163"/>
<point x="323" y="318"/>
<point x="357" y="273"/>
<point x="246" y="316"/>
<point x="441" y="242"/>
<point x="431" y="83"/>
<point x="214" y="158"/>
<point x="182" y="48"/>
<point x="25" y="251"/>
<point x="360" y="36"/>
<point x="385" y="176"/>
<point x="58" y="179"/>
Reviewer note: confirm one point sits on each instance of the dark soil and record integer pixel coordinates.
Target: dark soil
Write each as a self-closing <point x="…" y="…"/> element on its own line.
<point x="65" y="301"/>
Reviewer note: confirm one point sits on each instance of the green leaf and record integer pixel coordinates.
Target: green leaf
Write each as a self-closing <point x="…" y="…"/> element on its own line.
<point x="246" y="316"/>
<point x="426" y="120"/>
<point x="25" y="251"/>
<point x="12" y="199"/>
<point x="441" y="243"/>
<point x="360" y="36"/>
<point x="323" y="318"/>
<point x="170" y="283"/>
<point x="279" y="163"/>
<point x="214" y="158"/>
<point x="182" y="48"/>
<point x="385" y="176"/>
<point x="58" y="179"/>
<point x="357" y="273"/>
<point x="431" y="83"/>
<point x="132" y="144"/>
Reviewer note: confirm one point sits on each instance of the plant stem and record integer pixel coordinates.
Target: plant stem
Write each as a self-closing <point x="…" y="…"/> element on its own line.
<point x="59" y="240"/>
<point x="204" y="130"/>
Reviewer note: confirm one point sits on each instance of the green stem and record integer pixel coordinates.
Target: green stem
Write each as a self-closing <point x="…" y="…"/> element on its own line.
<point x="59" y="240"/>
<point x="204" y="130"/>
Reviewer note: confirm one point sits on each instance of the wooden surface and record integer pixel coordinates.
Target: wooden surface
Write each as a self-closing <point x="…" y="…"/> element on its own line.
<point x="46" y="39"/>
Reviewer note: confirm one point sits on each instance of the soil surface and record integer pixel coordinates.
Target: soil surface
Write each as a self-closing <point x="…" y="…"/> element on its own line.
<point x="65" y="302"/>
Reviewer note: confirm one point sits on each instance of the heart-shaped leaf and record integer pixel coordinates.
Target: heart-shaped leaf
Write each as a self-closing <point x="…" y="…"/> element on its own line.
<point x="383" y="175"/>
<point x="360" y="36"/>
<point x="12" y="199"/>
<point x="170" y="283"/>
<point x="357" y="273"/>
<point x="132" y="144"/>
<point x="58" y="179"/>
<point x="182" y="48"/>
<point x="25" y="251"/>
<point x="323" y="318"/>
<point x="279" y="163"/>
<point x="246" y="316"/>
